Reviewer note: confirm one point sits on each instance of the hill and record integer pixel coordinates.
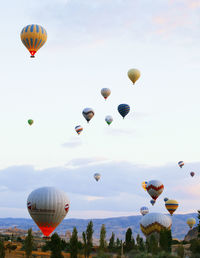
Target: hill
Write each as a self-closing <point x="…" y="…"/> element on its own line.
<point x="117" y="225"/>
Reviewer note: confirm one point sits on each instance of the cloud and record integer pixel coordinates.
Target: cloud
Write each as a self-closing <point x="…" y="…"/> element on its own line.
<point x="72" y="143"/>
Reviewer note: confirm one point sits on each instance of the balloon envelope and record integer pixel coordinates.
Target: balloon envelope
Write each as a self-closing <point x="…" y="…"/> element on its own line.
<point x="154" y="189"/>
<point x="192" y="174"/>
<point x="123" y="109"/>
<point x="79" y="129"/>
<point x="166" y="199"/>
<point x="144" y="210"/>
<point x="191" y="222"/>
<point x="88" y="113"/>
<point x="134" y="75"/>
<point x="30" y="121"/>
<point x="47" y="206"/>
<point x="33" y="37"/>
<point x="152" y="202"/>
<point x="105" y="92"/>
<point x="109" y="120"/>
<point x="97" y="176"/>
<point x="181" y="164"/>
<point x="171" y="206"/>
<point x="144" y="185"/>
<point x="154" y="222"/>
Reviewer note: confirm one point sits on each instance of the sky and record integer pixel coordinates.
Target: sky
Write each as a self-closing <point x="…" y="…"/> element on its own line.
<point x="91" y="45"/>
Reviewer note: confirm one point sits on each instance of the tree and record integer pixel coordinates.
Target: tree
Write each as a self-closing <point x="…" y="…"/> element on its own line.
<point x="199" y="224"/>
<point x="87" y="239"/>
<point x="28" y="244"/>
<point x="111" y="244"/>
<point x="74" y="243"/>
<point x="165" y="240"/>
<point x="153" y="244"/>
<point x="195" y="246"/>
<point x="55" y="246"/>
<point x="129" y="241"/>
<point x="102" y="241"/>
<point x="2" y="249"/>
<point x="180" y="251"/>
<point x="140" y="243"/>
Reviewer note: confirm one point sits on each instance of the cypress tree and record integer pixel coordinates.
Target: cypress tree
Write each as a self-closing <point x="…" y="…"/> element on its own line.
<point x="28" y="244"/>
<point x="111" y="245"/>
<point x="129" y="240"/>
<point x="2" y="249"/>
<point x="89" y="234"/>
<point x="84" y="244"/>
<point x="103" y="243"/>
<point x="199" y="224"/>
<point x="153" y="244"/>
<point x="55" y="246"/>
<point x="74" y="243"/>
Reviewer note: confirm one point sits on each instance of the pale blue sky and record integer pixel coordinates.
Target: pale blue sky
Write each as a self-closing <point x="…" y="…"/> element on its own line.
<point x="91" y="44"/>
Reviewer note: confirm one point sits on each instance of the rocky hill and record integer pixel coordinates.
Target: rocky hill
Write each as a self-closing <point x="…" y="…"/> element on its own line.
<point x="192" y="234"/>
<point x="116" y="225"/>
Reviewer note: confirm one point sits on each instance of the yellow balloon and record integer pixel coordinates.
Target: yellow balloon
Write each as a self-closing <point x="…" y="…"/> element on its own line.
<point x="144" y="185"/>
<point x="191" y="222"/>
<point x="33" y="37"/>
<point x="134" y="75"/>
<point x="171" y="206"/>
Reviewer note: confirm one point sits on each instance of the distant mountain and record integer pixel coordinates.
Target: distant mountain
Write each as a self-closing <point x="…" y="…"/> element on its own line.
<point x="116" y="225"/>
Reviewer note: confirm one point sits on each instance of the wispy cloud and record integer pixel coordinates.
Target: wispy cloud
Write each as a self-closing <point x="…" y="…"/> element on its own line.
<point x="72" y="143"/>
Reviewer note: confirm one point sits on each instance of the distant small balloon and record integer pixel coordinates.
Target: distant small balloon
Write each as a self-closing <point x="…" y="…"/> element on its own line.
<point x="181" y="164"/>
<point x="79" y="129"/>
<point x="166" y="199"/>
<point x="105" y="92"/>
<point x="109" y="120"/>
<point x="134" y="75"/>
<point x="88" y="113"/>
<point x="144" y="185"/>
<point x="97" y="176"/>
<point x="123" y="109"/>
<point x="30" y="121"/>
<point x="152" y="202"/>
<point x="144" y="210"/>
<point x="192" y="174"/>
<point x="191" y="222"/>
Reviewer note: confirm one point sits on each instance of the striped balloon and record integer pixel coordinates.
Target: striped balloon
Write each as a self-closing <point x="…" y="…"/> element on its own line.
<point x="154" y="189"/>
<point x="144" y="210"/>
<point x="33" y="37"/>
<point x="171" y="206"/>
<point x="181" y="164"/>
<point x="123" y="109"/>
<point x="79" y="129"/>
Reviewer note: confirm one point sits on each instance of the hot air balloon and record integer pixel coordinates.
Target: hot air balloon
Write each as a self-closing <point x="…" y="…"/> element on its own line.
<point x="144" y="185"/>
<point x="144" y="210"/>
<point x="79" y="129"/>
<point x="152" y="202"/>
<point x="109" y="120"/>
<point x="123" y="109"/>
<point x="154" y="223"/>
<point x="192" y="174"/>
<point x="171" y="206"/>
<point x="88" y="113"/>
<point x="47" y="206"/>
<point x="181" y="164"/>
<point x="30" y="121"/>
<point x="105" y="92"/>
<point x="33" y="37"/>
<point x="154" y="188"/>
<point x="191" y="222"/>
<point x="97" y="176"/>
<point x="134" y="75"/>
<point x="166" y="199"/>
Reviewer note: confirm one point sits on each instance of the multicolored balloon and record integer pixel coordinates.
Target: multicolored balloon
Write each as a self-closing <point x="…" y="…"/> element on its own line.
<point x="191" y="222"/>
<point x="33" y="37"/>
<point x="47" y="206"/>
<point x="171" y="206"/>
<point x="166" y="199"/>
<point x="144" y="185"/>
<point x="88" y="113"/>
<point x="181" y="164"/>
<point x="30" y="121"/>
<point x="154" y="223"/>
<point x="152" y="202"/>
<point x="144" y="210"/>
<point x="134" y="75"/>
<point x="109" y="120"/>
<point x="123" y="109"/>
<point x="97" y="176"/>
<point x="192" y="174"/>
<point x="105" y="92"/>
<point x="154" y="188"/>
<point x="79" y="129"/>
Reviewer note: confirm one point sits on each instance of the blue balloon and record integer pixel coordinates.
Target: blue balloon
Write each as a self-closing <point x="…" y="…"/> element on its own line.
<point x="123" y="109"/>
<point x="166" y="199"/>
<point x="152" y="202"/>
